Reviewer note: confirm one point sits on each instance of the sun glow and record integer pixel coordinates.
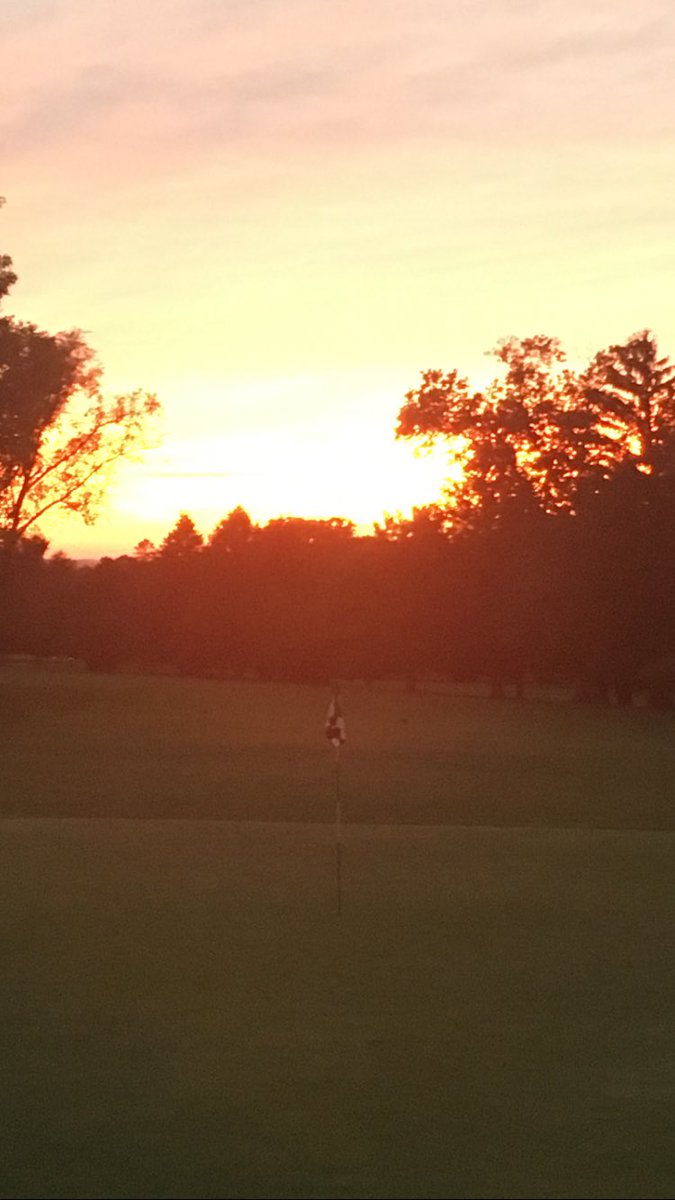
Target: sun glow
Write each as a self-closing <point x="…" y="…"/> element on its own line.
<point x="346" y="462"/>
<point x="276" y="473"/>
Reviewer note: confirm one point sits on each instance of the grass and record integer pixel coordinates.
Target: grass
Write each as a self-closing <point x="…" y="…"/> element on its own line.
<point x="84" y="745"/>
<point x="182" y="1013"/>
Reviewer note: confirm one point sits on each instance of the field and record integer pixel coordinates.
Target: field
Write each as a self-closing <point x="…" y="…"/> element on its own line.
<point x="73" y="744"/>
<point x="183" y="1013"/>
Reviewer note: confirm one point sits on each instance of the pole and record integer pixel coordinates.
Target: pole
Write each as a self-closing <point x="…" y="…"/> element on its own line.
<point x="338" y="832"/>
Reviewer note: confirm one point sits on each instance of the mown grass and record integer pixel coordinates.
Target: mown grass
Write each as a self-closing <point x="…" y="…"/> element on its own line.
<point x="183" y="1013"/>
<point x="84" y="745"/>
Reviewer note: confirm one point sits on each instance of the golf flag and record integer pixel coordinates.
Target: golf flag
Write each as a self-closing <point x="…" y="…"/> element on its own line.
<point x="335" y="724"/>
<point x="337" y="735"/>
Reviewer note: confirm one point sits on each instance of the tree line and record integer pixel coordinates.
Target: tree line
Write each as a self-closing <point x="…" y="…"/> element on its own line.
<point x="580" y="602"/>
<point x="549" y="557"/>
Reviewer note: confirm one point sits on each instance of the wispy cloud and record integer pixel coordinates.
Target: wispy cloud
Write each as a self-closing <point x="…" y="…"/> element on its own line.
<point x="192" y="79"/>
<point x="58" y="113"/>
<point x="18" y="15"/>
<point x="231" y="175"/>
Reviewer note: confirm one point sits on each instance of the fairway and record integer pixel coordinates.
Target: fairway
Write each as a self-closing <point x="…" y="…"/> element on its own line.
<point x="74" y="744"/>
<point x="184" y="1015"/>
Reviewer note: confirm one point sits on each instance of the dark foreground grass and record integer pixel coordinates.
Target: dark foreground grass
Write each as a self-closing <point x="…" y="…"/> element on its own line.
<point x="83" y="745"/>
<point x="183" y="1014"/>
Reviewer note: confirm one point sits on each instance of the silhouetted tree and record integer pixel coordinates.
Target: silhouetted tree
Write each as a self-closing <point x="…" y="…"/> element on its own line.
<point x="7" y="273"/>
<point x="507" y="438"/>
<point x="233" y="533"/>
<point x="58" y="434"/>
<point x="540" y="448"/>
<point x="183" y="540"/>
<point x="527" y="444"/>
<point x="630" y="391"/>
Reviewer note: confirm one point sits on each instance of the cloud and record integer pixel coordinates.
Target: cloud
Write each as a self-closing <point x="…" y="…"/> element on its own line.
<point x="607" y="43"/>
<point x="57" y="113"/>
<point x="18" y="15"/>
<point x="271" y="144"/>
<point x="214" y="15"/>
<point x="178" y="81"/>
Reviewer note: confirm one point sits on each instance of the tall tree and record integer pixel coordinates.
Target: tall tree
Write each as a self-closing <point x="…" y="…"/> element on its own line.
<point x="539" y="439"/>
<point x="59" y="435"/>
<point x="516" y="441"/>
<point x="630" y="390"/>
<point x="181" y="541"/>
<point x="232" y="533"/>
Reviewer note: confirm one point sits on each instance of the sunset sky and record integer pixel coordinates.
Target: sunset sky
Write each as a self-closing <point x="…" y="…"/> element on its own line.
<point x="276" y="213"/>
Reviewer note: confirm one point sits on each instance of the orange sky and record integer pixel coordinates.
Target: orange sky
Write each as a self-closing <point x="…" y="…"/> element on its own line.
<point x="275" y="213"/>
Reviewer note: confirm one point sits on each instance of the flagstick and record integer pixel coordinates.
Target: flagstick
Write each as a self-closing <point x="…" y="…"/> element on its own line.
<point x="338" y="832"/>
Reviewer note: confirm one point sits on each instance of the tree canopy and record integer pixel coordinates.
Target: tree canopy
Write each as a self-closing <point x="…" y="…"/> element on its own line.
<point x="59" y="434"/>
<point x="541" y="438"/>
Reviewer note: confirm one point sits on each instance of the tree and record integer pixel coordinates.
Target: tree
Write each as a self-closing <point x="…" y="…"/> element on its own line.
<point x="427" y="521"/>
<point x="232" y="533"/>
<point x="294" y="532"/>
<point x="528" y="444"/>
<point x="507" y="438"/>
<point x="533" y="451"/>
<point x="183" y="540"/>
<point x="7" y="274"/>
<point x="630" y="391"/>
<point x="59" y="436"/>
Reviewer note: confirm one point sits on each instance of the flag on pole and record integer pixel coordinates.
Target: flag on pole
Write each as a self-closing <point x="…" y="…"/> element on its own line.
<point x="335" y="724"/>
<point x="337" y="735"/>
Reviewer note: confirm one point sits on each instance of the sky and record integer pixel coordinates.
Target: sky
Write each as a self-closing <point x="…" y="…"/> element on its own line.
<point x="276" y="213"/>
